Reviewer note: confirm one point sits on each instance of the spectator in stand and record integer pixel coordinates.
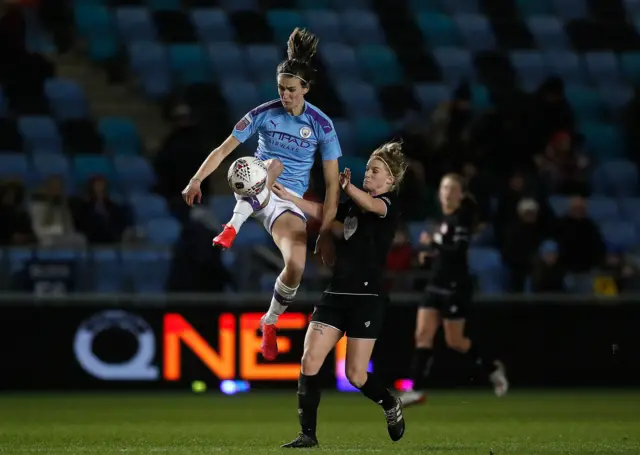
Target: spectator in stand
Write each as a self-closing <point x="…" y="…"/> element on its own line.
<point x="15" y="227"/>
<point x="581" y="244"/>
<point x="399" y="260"/>
<point x="522" y="241"/>
<point x="51" y="216"/>
<point x="562" y="168"/>
<point x="550" y="111"/>
<point x="548" y="274"/>
<point x="97" y="216"/>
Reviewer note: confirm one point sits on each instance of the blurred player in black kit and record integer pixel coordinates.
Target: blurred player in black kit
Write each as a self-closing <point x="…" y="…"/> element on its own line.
<point x="449" y="293"/>
<point x="354" y="302"/>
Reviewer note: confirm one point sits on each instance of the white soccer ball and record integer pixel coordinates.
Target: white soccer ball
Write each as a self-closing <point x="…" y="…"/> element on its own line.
<point x="247" y="176"/>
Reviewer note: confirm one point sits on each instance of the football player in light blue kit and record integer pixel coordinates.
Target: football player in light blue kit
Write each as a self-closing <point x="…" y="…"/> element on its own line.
<point x="290" y="133"/>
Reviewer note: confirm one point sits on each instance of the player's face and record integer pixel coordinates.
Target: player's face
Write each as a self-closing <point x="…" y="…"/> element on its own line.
<point x="450" y="193"/>
<point x="291" y="92"/>
<point x="377" y="179"/>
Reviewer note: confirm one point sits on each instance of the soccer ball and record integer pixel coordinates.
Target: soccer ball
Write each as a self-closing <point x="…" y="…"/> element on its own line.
<point x="247" y="176"/>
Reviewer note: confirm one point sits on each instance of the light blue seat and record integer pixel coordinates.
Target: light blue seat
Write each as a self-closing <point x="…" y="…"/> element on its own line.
<point x="150" y="63"/>
<point x="227" y="61"/>
<point x="362" y="27"/>
<point x="135" y="24"/>
<point x="14" y="165"/>
<point x="614" y="98"/>
<point x="534" y="7"/>
<point x="95" y="25"/>
<point x="359" y="98"/>
<point x="148" y="206"/>
<point x="163" y="231"/>
<point x="486" y="264"/>
<point x="66" y="99"/>
<point x="456" y="63"/>
<point x="119" y="135"/>
<point x="18" y="257"/>
<point x="569" y="10"/>
<point x="529" y="66"/>
<point x="548" y="32"/>
<point x="586" y="102"/>
<point x="603" y="141"/>
<point x="630" y="67"/>
<point x="476" y="32"/>
<point x="283" y="21"/>
<point x="212" y="25"/>
<point x="147" y="270"/>
<point x="438" y="29"/>
<point x="40" y="134"/>
<point x="344" y="130"/>
<point x="616" y="178"/>
<point x="341" y="61"/>
<point x="567" y="65"/>
<point x="262" y="60"/>
<point x="619" y="233"/>
<point x="252" y="234"/>
<point x="598" y="208"/>
<point x="602" y="67"/>
<point x="370" y="132"/>
<point x="135" y="173"/>
<point x="222" y="206"/>
<point x="241" y="96"/>
<point x="85" y="167"/>
<point x="108" y="274"/>
<point x="430" y="6"/>
<point x="188" y="64"/>
<point x="379" y="65"/>
<point x="50" y="164"/>
<point x="326" y="25"/>
<point x="630" y="209"/>
<point x="480" y="96"/>
<point x="431" y="95"/>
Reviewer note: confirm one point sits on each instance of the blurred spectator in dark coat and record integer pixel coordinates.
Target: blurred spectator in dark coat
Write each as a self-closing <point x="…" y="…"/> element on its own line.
<point x="15" y="223"/>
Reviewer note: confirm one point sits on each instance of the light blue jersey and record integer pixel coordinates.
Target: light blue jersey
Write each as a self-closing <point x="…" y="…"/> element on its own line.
<point x="294" y="140"/>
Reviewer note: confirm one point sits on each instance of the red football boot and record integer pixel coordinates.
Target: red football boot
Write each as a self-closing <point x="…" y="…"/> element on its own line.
<point x="269" y="345"/>
<point x="226" y="237"/>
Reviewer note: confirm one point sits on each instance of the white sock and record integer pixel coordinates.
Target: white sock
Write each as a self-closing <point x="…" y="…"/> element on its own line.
<point x="283" y="295"/>
<point x="245" y="207"/>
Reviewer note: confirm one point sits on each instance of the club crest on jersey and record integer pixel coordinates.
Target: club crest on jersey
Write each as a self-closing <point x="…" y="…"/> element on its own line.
<point x="305" y="132"/>
<point x="444" y="228"/>
<point x="350" y="226"/>
<point x="243" y="123"/>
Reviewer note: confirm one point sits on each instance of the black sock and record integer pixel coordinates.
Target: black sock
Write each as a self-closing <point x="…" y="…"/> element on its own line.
<point x="421" y="367"/>
<point x="487" y="364"/>
<point x="374" y="390"/>
<point x="308" y="402"/>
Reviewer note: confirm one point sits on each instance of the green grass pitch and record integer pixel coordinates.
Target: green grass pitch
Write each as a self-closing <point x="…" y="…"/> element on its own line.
<point x="460" y="423"/>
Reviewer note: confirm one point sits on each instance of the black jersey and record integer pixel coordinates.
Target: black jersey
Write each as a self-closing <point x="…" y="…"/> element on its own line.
<point x="361" y="251"/>
<point x="450" y="268"/>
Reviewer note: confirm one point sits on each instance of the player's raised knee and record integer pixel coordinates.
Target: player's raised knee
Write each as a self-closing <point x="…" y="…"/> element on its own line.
<point x="356" y="375"/>
<point x="455" y="342"/>
<point x="311" y="363"/>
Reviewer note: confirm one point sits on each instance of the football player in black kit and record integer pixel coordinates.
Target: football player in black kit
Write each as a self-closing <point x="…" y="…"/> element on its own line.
<point x="449" y="293"/>
<point x="354" y="302"/>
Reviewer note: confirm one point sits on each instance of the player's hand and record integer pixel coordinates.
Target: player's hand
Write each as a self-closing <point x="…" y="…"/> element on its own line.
<point x="325" y="248"/>
<point x="345" y="178"/>
<point x="425" y="238"/>
<point x="437" y="237"/>
<point x="281" y="192"/>
<point x="192" y="193"/>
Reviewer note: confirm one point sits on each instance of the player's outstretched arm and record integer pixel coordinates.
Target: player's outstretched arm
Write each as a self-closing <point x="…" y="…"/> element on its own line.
<point x="363" y="199"/>
<point x="192" y="192"/>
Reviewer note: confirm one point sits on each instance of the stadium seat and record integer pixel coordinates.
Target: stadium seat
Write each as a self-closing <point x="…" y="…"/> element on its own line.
<point x="222" y="207"/>
<point x="534" y="7"/>
<point x="548" y="32"/>
<point x="581" y="283"/>
<point x="134" y="172"/>
<point x="85" y="167"/>
<point x="569" y="10"/>
<point x="188" y="64"/>
<point x="615" y="98"/>
<point x="565" y="64"/>
<point x="149" y="58"/>
<point x="356" y="164"/>
<point x="598" y="208"/>
<point x="630" y="209"/>
<point x="212" y="25"/>
<point x="40" y="134"/>
<point x="340" y="61"/>
<point x="326" y="25"/>
<point x="603" y="141"/>
<point x="18" y="258"/>
<point x="147" y="270"/>
<point x="616" y="179"/>
<point x="49" y="164"/>
<point x="66" y="99"/>
<point x="480" y="97"/>
<point x="119" y="135"/>
<point x="252" y="234"/>
<point x="239" y="5"/>
<point x="107" y="271"/>
<point x="163" y="231"/>
<point x="475" y="31"/>
<point x="429" y="6"/>
<point x="92" y="19"/>
<point x="344" y="130"/>
<point x="362" y="27"/>
<point x="227" y="61"/>
<point x="379" y="65"/>
<point x="135" y="24"/>
<point x="529" y="66"/>
<point x="282" y="22"/>
<point x="241" y="97"/>
<point x="359" y="98"/>
<point x="630" y="67"/>
<point x="585" y="102"/>
<point x="370" y="132"/>
<point x="438" y="29"/>
<point x="619" y="233"/>
<point x="602" y="68"/>
<point x="455" y="63"/>
<point x="146" y="207"/>
<point x="486" y="264"/>
<point x="14" y="165"/>
<point x="262" y="61"/>
<point x="268" y="89"/>
<point x="431" y="95"/>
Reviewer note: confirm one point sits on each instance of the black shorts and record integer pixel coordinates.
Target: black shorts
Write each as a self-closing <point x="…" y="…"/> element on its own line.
<point x="452" y="304"/>
<point x="357" y="316"/>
